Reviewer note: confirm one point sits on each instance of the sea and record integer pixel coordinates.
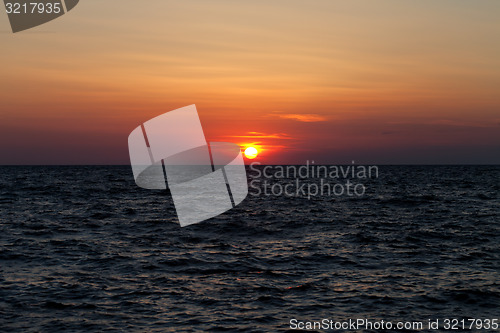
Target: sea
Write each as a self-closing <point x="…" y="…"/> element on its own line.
<point x="83" y="249"/>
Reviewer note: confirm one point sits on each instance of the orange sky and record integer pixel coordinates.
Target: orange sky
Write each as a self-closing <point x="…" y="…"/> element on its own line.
<point x="331" y="81"/>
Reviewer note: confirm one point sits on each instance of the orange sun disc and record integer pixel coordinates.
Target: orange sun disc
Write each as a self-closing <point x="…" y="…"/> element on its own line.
<point x="251" y="152"/>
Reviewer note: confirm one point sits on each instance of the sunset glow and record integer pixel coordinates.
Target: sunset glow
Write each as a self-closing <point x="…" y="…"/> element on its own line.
<point x="330" y="81"/>
<point x="251" y="153"/>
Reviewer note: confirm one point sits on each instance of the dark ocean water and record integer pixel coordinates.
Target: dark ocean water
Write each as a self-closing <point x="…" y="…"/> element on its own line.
<point x="85" y="249"/>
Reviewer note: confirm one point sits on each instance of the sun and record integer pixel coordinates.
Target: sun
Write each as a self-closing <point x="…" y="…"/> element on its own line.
<point x="251" y="152"/>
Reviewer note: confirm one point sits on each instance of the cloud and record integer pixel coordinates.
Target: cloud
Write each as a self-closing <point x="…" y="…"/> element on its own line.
<point x="446" y="123"/>
<point x="307" y="118"/>
<point x="260" y="135"/>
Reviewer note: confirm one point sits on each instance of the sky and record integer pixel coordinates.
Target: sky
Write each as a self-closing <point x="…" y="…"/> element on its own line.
<point x="375" y="82"/>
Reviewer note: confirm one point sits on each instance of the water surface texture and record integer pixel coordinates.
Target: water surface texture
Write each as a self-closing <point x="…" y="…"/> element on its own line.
<point x="85" y="249"/>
